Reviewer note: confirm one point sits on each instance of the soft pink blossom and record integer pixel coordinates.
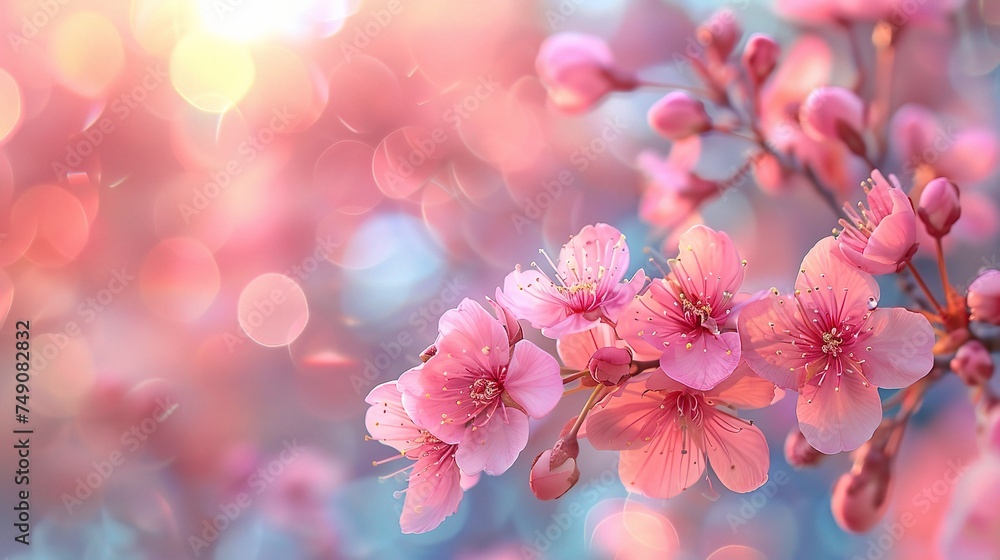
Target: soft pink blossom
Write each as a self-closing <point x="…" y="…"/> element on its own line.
<point x="684" y="316"/>
<point x="922" y="141"/>
<point x="478" y="390"/>
<point x="881" y="238"/>
<point x="677" y="116"/>
<point x="587" y="288"/>
<point x="939" y="206"/>
<point x="984" y="297"/>
<point x="673" y="192"/>
<point x="830" y="342"/>
<point x="578" y="70"/>
<point x="668" y="432"/>
<point x="435" y="488"/>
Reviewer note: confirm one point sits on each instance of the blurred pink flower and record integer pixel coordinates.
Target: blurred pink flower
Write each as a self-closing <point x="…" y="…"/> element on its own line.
<point x="434" y="489"/>
<point x="897" y="12"/>
<point x="829" y="342"/>
<point x="578" y="70"/>
<point x="720" y="33"/>
<point x="588" y="286"/>
<point x="926" y="144"/>
<point x="684" y="316"/>
<point x="798" y="452"/>
<point x="678" y="115"/>
<point x="833" y="113"/>
<point x="673" y="192"/>
<point x="665" y="431"/>
<point x="939" y="206"/>
<point x="478" y="391"/>
<point x="881" y="238"/>
<point x="984" y="297"/>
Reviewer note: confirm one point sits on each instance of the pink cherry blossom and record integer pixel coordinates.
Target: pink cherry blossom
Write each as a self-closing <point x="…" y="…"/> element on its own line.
<point x="578" y="70"/>
<point x="830" y="342"/>
<point x="666" y="431"/>
<point x="478" y="391"/>
<point x="923" y="142"/>
<point x="435" y="488"/>
<point x="881" y="238"/>
<point x="588" y="287"/>
<point x="684" y="316"/>
<point x="673" y="192"/>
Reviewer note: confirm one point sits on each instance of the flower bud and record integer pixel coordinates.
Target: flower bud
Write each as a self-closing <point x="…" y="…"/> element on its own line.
<point x="984" y="297"/>
<point x="678" y="116"/>
<point x="719" y="34"/>
<point x="939" y="208"/>
<point x="760" y="56"/>
<point x="428" y="353"/>
<point x="973" y="363"/>
<point x="798" y="452"/>
<point x="610" y="365"/>
<point x="578" y="70"/>
<point x="833" y="113"/>
<point x="860" y="497"/>
<point x="554" y="471"/>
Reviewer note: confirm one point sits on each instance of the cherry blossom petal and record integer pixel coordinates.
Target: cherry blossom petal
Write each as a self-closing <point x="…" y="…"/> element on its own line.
<point x="626" y="422"/>
<point x="768" y="329"/>
<point x="736" y="450"/>
<point x="840" y="286"/>
<point x="900" y="343"/>
<point x="387" y="421"/>
<point x="743" y="390"/>
<point x="533" y="379"/>
<point x="839" y="420"/>
<point x="473" y="337"/>
<point x="703" y="361"/>
<point x="434" y="493"/>
<point x="668" y="465"/>
<point x="708" y="264"/>
<point x="494" y="446"/>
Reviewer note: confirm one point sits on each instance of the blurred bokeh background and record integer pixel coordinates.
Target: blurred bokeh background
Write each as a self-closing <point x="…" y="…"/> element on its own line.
<point x="228" y="220"/>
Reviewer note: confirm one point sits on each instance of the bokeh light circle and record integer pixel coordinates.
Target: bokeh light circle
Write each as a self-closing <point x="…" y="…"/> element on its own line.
<point x="211" y="73"/>
<point x="273" y="310"/>
<point x="86" y="52"/>
<point x="737" y="552"/>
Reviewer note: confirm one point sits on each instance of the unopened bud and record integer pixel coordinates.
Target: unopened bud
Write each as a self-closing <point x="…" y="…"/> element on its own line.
<point x="428" y="353"/>
<point x="833" y="113"/>
<point x="984" y="297"/>
<point x="760" y="56"/>
<point x="720" y="33"/>
<point x="610" y="365"/>
<point x="860" y="496"/>
<point x="549" y="480"/>
<point x="973" y="363"/>
<point x="798" y="452"/>
<point x="939" y="208"/>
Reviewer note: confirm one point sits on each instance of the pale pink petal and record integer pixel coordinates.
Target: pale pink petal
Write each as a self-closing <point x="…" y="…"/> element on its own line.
<point x="595" y="246"/>
<point x="900" y="343"/>
<point x="470" y="480"/>
<point x="620" y="296"/>
<point x="743" y="390"/>
<point x="767" y="348"/>
<point x="533" y="379"/>
<point x="840" y="286"/>
<point x="434" y="493"/>
<point x="506" y="318"/>
<point x="387" y="421"/>
<point x="703" y="361"/>
<point x="736" y="450"/>
<point x="473" y="337"/>
<point x="494" y="446"/>
<point x="436" y="413"/>
<point x="658" y="381"/>
<point x="624" y="423"/>
<point x="708" y="263"/>
<point x="838" y="420"/>
<point x="669" y="464"/>
<point x="860" y="262"/>
<point x="531" y="295"/>
<point x="895" y="234"/>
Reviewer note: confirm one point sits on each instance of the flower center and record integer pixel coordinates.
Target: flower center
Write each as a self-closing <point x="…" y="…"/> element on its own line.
<point x="689" y="408"/>
<point x="832" y="342"/>
<point x="576" y="288"/>
<point x="484" y="391"/>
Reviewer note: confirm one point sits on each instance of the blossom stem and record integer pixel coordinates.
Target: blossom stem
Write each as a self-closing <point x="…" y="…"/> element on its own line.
<point x="571" y="378"/>
<point x="595" y="396"/>
<point x="926" y="290"/>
